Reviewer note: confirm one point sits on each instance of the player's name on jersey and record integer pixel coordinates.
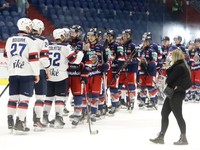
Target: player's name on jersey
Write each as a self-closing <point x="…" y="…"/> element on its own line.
<point x="18" y="39"/>
<point x="55" y="48"/>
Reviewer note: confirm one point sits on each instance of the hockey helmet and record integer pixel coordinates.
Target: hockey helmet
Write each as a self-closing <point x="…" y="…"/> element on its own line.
<point x="197" y="40"/>
<point x="165" y="38"/>
<point x="38" y="25"/>
<point x="178" y="37"/>
<point x="58" y="33"/>
<point x="119" y="37"/>
<point x="93" y="31"/>
<point x="76" y="28"/>
<point x="66" y="31"/>
<point x="23" y="23"/>
<point x="127" y="31"/>
<point x="111" y="33"/>
<point x="191" y="42"/>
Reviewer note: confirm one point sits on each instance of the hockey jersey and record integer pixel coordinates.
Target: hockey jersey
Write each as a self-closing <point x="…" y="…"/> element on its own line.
<point x="60" y="55"/>
<point x="22" y="53"/>
<point x="43" y="51"/>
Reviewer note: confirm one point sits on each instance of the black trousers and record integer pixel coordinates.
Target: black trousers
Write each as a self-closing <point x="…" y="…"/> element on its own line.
<point x="174" y="105"/>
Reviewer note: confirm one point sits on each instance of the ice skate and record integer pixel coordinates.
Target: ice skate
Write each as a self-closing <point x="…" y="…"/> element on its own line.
<point x="141" y="104"/>
<point x="72" y="116"/>
<point x="112" y="111"/>
<point x="38" y="126"/>
<point x="131" y="107"/>
<point x="45" y="119"/>
<point x="151" y="106"/>
<point x="65" y="112"/>
<point x="20" y="128"/>
<point x="59" y="123"/>
<point x="93" y="117"/>
<point x="76" y="120"/>
<point x="10" y="123"/>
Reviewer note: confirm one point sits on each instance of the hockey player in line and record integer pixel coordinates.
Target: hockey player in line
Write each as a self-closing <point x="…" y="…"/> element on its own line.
<point x="147" y="72"/>
<point x="78" y="74"/>
<point x="23" y="65"/>
<point x="194" y="53"/>
<point x="118" y="58"/>
<point x="161" y="67"/>
<point x="60" y="55"/>
<point x="75" y="32"/>
<point x="128" y="76"/>
<point x="93" y="54"/>
<point x="177" y="40"/>
<point x="41" y="86"/>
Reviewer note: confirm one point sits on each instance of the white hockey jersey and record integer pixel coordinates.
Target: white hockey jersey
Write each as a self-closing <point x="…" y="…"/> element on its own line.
<point x="60" y="55"/>
<point x="43" y="51"/>
<point x="22" y="53"/>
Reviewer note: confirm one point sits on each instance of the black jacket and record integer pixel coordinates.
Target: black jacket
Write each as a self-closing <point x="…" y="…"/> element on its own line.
<point x="177" y="74"/>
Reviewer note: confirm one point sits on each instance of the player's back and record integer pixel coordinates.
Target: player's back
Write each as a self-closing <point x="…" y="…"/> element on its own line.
<point x="22" y="55"/>
<point x="58" y="53"/>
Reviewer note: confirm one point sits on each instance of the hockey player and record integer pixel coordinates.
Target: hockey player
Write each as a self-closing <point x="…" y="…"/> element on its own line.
<point x="195" y="71"/>
<point x="23" y="65"/>
<point x="77" y="76"/>
<point x="41" y="86"/>
<point x="166" y="45"/>
<point x="60" y="55"/>
<point x="165" y="51"/>
<point x="177" y="41"/>
<point x="147" y="73"/>
<point x="128" y="76"/>
<point x="75" y="32"/>
<point x="93" y="54"/>
<point x="118" y="58"/>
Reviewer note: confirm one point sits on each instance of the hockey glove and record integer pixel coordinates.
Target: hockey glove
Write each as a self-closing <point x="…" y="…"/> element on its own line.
<point x="104" y="67"/>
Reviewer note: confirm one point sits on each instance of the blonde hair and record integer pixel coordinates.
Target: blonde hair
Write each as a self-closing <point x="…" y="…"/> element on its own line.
<point x="178" y="54"/>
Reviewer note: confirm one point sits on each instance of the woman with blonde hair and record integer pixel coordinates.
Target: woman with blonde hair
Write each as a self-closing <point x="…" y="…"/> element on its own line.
<point x="176" y="74"/>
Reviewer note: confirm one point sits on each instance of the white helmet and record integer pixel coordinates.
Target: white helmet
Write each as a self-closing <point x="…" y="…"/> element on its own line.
<point x="38" y="25"/>
<point x="57" y="33"/>
<point x="67" y="31"/>
<point x="22" y="23"/>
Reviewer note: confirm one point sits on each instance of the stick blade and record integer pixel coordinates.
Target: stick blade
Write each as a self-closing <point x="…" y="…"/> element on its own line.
<point x="94" y="132"/>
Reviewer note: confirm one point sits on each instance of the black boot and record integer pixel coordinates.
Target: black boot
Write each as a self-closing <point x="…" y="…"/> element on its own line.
<point x="182" y="140"/>
<point x="159" y="139"/>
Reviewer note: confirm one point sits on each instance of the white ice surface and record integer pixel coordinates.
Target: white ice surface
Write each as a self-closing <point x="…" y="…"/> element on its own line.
<point x="123" y="131"/>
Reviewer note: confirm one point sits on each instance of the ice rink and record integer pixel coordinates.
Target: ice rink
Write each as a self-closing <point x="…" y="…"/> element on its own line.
<point x="123" y="131"/>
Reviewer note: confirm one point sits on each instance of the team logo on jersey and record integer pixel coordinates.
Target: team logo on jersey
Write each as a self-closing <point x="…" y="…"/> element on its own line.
<point x="18" y="64"/>
<point x="94" y="59"/>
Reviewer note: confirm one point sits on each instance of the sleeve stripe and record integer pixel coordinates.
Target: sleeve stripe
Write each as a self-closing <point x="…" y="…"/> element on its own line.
<point x="68" y="57"/>
<point x="5" y="54"/>
<point x="33" y="57"/>
<point x="72" y="57"/>
<point x="44" y="53"/>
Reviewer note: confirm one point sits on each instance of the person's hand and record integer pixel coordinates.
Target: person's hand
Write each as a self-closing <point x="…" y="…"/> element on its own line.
<point x="37" y="79"/>
<point x="104" y="67"/>
<point x="48" y="74"/>
<point x="86" y="47"/>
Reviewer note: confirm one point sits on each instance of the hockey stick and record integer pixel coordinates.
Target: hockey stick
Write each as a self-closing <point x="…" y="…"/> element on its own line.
<point x="4" y="90"/>
<point x="161" y="93"/>
<point x="88" y="112"/>
<point x="128" y="60"/>
<point x="105" y="45"/>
